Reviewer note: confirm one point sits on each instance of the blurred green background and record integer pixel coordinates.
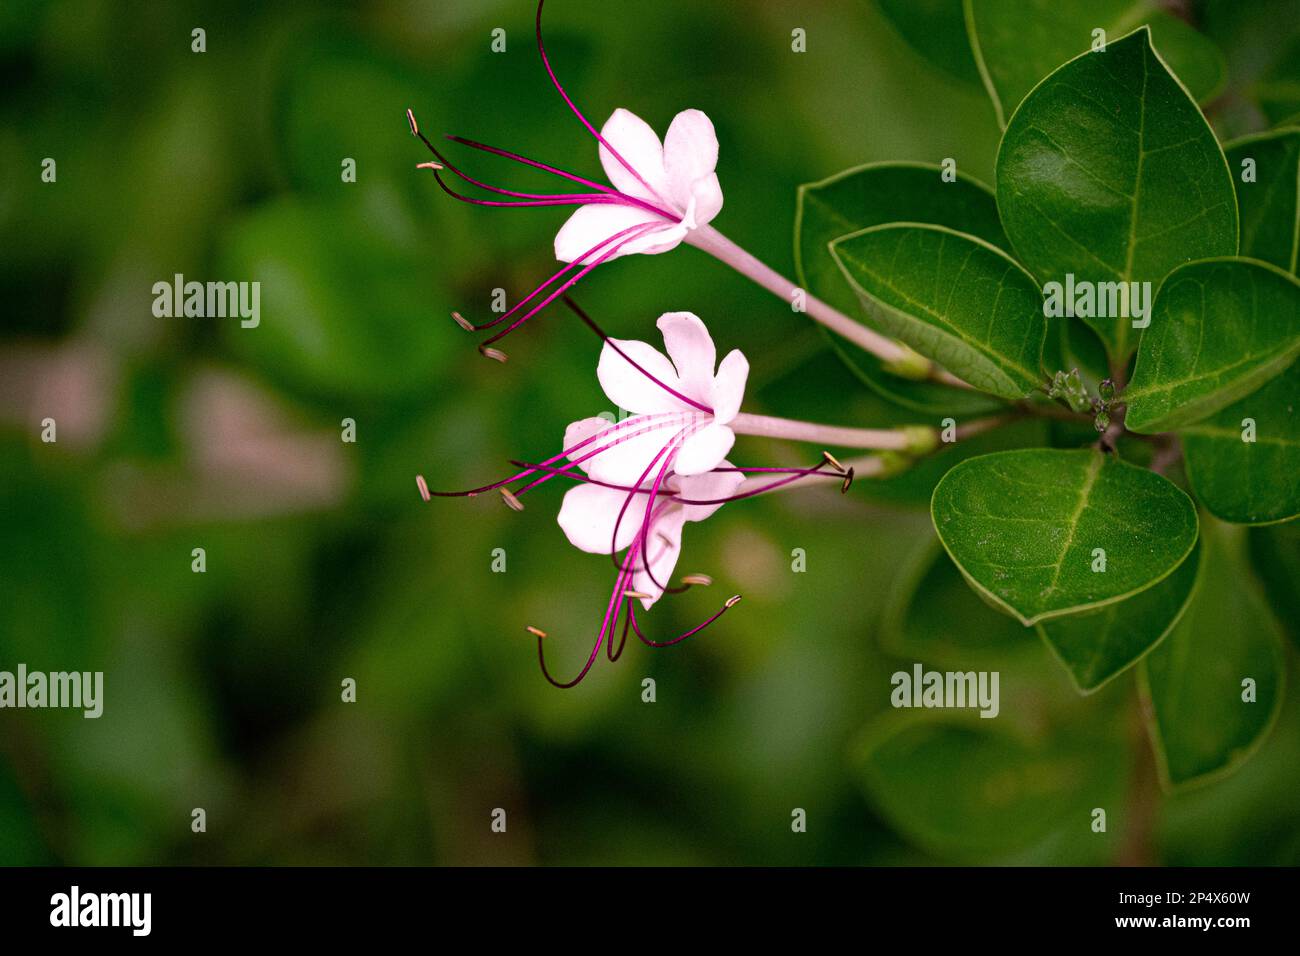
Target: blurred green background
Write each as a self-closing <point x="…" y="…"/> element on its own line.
<point x="222" y="689"/>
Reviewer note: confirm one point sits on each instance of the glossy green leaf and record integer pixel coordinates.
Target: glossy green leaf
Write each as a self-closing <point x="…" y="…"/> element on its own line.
<point x="1256" y="481"/>
<point x="1100" y="644"/>
<point x="936" y="29"/>
<point x="954" y="298"/>
<point x="1109" y="172"/>
<point x="1026" y="527"/>
<point x="1195" y="682"/>
<point x="1017" y="44"/>
<point x="872" y="195"/>
<point x="1270" y="203"/>
<point x="965" y="786"/>
<point x="1219" y="330"/>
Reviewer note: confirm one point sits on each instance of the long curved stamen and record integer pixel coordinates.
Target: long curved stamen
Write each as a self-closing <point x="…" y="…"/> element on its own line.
<point x="795" y="473"/>
<point x="546" y="62"/>
<point x="604" y="337"/>
<point x="444" y="162"/>
<point x="727" y="605"/>
<point x="621" y="197"/>
<point x="613" y="431"/>
<point x="607" y="624"/>
<point x="568" y="267"/>
<point x="633" y="232"/>
<point x="602" y="449"/>
<point x="561" y="199"/>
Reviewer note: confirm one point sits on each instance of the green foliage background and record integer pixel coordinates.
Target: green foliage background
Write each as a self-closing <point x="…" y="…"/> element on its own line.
<point x="222" y="689"/>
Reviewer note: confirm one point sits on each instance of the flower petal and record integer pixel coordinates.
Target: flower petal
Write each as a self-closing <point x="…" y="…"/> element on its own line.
<point x="690" y="153"/>
<point x="706" y="193"/>
<point x="709" y="486"/>
<point x="629" y="387"/>
<point x="590" y="232"/>
<point x="632" y="457"/>
<point x="580" y="431"/>
<point x="704" y="450"/>
<point x="691" y="348"/>
<point x="588" y="515"/>
<point x="664" y="545"/>
<point x="729" y="387"/>
<point x="634" y="140"/>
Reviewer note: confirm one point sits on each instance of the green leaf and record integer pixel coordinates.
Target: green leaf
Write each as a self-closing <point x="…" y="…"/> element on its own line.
<point x="1219" y="330"/>
<point x="1017" y="44"/>
<point x="954" y="298"/>
<point x="1270" y="205"/>
<point x="1200" y="725"/>
<point x="965" y="787"/>
<point x="935" y="29"/>
<point x="872" y="195"/>
<point x="1097" y="645"/>
<point x="926" y="598"/>
<point x="1109" y="172"/>
<point x="1024" y="528"/>
<point x="1250" y="482"/>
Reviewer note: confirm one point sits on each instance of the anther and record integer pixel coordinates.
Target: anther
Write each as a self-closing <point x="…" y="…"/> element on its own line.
<point x="701" y="579"/>
<point x="629" y="593"/>
<point x="410" y="118"/>
<point x="424" y="488"/>
<point x="430" y="165"/>
<point x="509" y="497"/>
<point x="535" y="631"/>
<point x="833" y="462"/>
<point x="731" y="601"/>
<point x="848" y="480"/>
<point x="495" y="354"/>
<point x="463" y="322"/>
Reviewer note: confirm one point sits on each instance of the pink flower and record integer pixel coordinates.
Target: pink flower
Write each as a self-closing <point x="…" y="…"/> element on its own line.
<point x="642" y="479"/>
<point x="660" y="193"/>
<point x="677" y="175"/>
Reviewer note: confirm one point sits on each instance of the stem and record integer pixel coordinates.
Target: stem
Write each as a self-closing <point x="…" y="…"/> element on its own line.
<point x="1142" y="804"/>
<point x="769" y="427"/>
<point x="887" y="350"/>
<point x="867" y="467"/>
<point x="1166" y="455"/>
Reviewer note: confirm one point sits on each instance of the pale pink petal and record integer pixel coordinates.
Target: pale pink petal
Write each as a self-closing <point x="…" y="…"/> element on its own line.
<point x="628" y="386"/>
<point x="633" y="455"/>
<point x="664" y="545"/>
<point x="704" y="449"/>
<point x="729" y="387"/>
<point x="690" y="153"/>
<point x="588" y="515"/>
<point x="636" y="142"/>
<point x="594" y="226"/>
<point x="580" y="431"/>
<point x="710" y="486"/>
<point x="706" y="194"/>
<point x="691" y="348"/>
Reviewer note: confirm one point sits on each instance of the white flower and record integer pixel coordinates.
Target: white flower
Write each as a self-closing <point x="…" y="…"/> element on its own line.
<point x="676" y="176"/>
